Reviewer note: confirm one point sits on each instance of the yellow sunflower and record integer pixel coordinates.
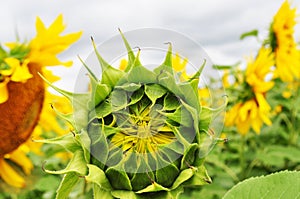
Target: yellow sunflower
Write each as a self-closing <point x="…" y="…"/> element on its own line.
<point x="252" y="113"/>
<point x="282" y="41"/>
<point x="258" y="69"/>
<point x="24" y="99"/>
<point x="252" y="110"/>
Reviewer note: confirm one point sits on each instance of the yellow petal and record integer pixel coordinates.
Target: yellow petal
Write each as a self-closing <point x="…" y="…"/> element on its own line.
<point x="39" y="25"/>
<point x="178" y="64"/>
<point x="256" y="124"/>
<point x="48" y="43"/>
<point x="21" y="73"/>
<point x="245" y="110"/>
<point x="57" y="26"/>
<point x="10" y="176"/>
<point x="3" y="91"/>
<point x="19" y="157"/>
<point x="49" y="75"/>
<point x="123" y="64"/>
<point x="263" y="87"/>
<point x="13" y="63"/>
<point x="262" y="103"/>
<point x="286" y="94"/>
<point x="243" y="126"/>
<point x="231" y="115"/>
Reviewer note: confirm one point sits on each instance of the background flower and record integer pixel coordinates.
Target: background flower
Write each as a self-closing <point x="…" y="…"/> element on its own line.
<point x="25" y="98"/>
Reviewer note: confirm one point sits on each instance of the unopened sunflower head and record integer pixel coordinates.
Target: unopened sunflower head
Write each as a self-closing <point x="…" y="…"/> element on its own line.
<point x="137" y="133"/>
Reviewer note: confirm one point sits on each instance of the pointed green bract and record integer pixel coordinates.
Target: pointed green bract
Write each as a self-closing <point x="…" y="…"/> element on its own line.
<point x="67" y="184"/>
<point x="138" y="133"/>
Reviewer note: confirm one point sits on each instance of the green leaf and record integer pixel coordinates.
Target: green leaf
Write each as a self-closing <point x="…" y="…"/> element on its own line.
<point x="280" y="185"/>
<point x="91" y="74"/>
<point x="141" y="179"/>
<point x="99" y="148"/>
<point x="136" y="96"/>
<point x="111" y="76"/>
<point x="118" y="99"/>
<point x="130" y="87"/>
<point x="101" y="111"/>
<point x="189" y="156"/>
<point x="154" y="187"/>
<point x="79" y="101"/>
<point x="166" y="66"/>
<point x="66" y="185"/>
<point x="99" y="93"/>
<point x="277" y="155"/>
<point x="66" y="141"/>
<point x="118" y="179"/>
<point x="199" y="178"/>
<point x="101" y="193"/>
<point x="3" y="53"/>
<point x="196" y="76"/>
<point x="222" y="67"/>
<point x="131" y="56"/>
<point x="69" y="117"/>
<point x="174" y="194"/>
<point x="171" y="102"/>
<point x="167" y="80"/>
<point x="76" y="165"/>
<point x="98" y="177"/>
<point x="83" y="139"/>
<point x="167" y="173"/>
<point x="183" y="176"/>
<point x="252" y="33"/>
<point x="190" y="93"/>
<point x="140" y="74"/>
<point x="154" y="91"/>
<point x="181" y="115"/>
<point x="48" y="183"/>
<point x="123" y="194"/>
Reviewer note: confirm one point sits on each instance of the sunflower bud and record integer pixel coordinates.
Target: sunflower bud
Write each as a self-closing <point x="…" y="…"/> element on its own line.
<point x="138" y="132"/>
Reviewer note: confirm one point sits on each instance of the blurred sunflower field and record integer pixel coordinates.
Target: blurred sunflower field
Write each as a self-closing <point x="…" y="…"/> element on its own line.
<point x="259" y="146"/>
<point x="263" y="114"/>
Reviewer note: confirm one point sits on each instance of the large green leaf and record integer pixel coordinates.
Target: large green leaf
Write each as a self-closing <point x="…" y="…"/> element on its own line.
<point x="282" y="185"/>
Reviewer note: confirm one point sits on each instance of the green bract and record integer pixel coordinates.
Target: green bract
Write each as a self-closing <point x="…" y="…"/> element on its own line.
<point x="138" y="133"/>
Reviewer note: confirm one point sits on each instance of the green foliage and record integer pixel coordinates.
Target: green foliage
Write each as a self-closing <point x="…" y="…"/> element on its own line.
<point x="252" y="33"/>
<point x="278" y="185"/>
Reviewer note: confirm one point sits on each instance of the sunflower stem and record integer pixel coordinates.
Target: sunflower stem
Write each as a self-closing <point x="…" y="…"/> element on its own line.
<point x="242" y="157"/>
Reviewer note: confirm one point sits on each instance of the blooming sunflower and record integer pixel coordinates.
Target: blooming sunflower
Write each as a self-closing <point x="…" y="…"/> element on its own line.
<point x="287" y="56"/>
<point x="252" y="110"/>
<point x="23" y="93"/>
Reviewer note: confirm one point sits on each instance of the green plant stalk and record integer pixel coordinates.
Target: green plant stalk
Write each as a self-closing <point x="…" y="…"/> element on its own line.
<point x="293" y="134"/>
<point x="242" y="158"/>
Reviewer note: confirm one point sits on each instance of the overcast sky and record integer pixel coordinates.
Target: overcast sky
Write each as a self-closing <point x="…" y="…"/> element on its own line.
<point x="215" y="24"/>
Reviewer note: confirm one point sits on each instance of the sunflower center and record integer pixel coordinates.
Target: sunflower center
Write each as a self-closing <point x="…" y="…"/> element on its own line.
<point x="20" y="113"/>
<point x="142" y="127"/>
<point x="143" y="130"/>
